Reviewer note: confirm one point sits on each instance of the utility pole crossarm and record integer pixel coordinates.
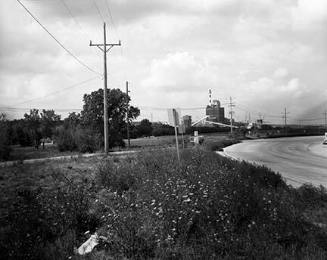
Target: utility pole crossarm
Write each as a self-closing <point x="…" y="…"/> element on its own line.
<point x="107" y="44"/>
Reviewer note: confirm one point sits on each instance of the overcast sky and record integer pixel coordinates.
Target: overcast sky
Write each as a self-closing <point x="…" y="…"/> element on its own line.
<point x="265" y="54"/>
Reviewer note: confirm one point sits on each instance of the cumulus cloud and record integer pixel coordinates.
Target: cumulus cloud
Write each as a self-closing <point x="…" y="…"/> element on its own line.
<point x="280" y="73"/>
<point x="265" y="54"/>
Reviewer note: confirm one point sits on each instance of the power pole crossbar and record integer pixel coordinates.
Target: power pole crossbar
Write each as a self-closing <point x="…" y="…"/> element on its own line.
<point x="103" y="47"/>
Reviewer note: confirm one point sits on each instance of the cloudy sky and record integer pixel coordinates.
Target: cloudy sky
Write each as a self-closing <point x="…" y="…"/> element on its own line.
<point x="265" y="54"/>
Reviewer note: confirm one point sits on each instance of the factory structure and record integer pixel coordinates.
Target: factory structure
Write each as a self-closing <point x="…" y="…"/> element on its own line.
<point x="214" y="111"/>
<point x="214" y="115"/>
<point x="187" y="121"/>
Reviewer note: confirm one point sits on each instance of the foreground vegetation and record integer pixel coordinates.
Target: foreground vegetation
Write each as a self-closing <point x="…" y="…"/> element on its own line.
<point x="152" y="206"/>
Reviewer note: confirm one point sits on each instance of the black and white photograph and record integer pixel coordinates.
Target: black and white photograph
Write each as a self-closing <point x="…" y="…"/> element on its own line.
<point x="162" y="129"/>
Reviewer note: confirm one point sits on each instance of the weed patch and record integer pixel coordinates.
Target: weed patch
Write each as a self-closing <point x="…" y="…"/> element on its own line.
<point x="153" y="207"/>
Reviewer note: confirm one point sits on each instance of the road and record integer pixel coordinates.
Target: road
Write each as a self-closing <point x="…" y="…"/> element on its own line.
<point x="298" y="159"/>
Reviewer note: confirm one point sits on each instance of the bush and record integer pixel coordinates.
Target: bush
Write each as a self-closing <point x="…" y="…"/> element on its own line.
<point x="88" y="141"/>
<point x="47" y="224"/>
<point x="78" y="139"/>
<point x="65" y="140"/>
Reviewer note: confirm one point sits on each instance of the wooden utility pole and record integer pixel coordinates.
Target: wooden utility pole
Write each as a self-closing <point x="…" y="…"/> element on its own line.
<point x="176" y="121"/>
<point x="231" y="105"/>
<point x="285" y="119"/>
<point x="127" y="118"/>
<point x="103" y="47"/>
<point x="325" y="120"/>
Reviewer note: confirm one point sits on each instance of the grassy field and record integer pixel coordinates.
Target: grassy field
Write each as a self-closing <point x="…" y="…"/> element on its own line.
<point x="152" y="206"/>
<point x="51" y="150"/>
<point x="29" y="152"/>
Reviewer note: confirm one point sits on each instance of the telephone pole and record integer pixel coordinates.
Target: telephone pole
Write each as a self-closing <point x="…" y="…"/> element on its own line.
<point x="325" y="120"/>
<point x="103" y="47"/>
<point x="127" y="119"/>
<point x="285" y="119"/>
<point x="231" y="112"/>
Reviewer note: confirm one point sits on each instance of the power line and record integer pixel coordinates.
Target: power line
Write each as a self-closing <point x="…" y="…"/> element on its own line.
<point x="110" y="15"/>
<point x="57" y="41"/>
<point x="97" y="8"/>
<point x="75" y="19"/>
<point x="57" y="91"/>
<point x="312" y="119"/>
<point x="16" y="109"/>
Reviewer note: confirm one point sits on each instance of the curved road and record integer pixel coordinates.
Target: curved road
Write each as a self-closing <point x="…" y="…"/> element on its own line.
<point x="298" y="159"/>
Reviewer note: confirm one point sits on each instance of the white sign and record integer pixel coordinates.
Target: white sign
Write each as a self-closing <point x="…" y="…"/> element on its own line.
<point x="173" y="116"/>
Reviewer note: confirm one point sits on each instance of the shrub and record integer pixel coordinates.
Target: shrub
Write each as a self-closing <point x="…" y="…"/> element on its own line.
<point x="87" y="140"/>
<point x="47" y="224"/>
<point x="82" y="140"/>
<point x="65" y="140"/>
<point x="115" y="179"/>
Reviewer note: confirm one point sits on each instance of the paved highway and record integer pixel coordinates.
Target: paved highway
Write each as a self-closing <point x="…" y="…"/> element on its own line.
<point x="298" y="159"/>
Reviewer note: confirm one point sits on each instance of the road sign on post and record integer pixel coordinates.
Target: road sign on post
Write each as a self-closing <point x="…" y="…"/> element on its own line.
<point x="173" y="120"/>
<point x="173" y="116"/>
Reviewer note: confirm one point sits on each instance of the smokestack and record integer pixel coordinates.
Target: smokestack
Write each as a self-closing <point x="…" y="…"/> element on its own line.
<point x="210" y="102"/>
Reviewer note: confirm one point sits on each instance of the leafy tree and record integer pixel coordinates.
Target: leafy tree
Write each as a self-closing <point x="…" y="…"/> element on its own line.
<point x="33" y="123"/>
<point x="4" y="137"/>
<point x="160" y="129"/>
<point x="92" y="114"/>
<point x="145" y="128"/>
<point x="49" y="119"/>
<point x="73" y="120"/>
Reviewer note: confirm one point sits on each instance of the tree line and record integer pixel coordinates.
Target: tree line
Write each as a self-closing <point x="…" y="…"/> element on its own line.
<point x="79" y="131"/>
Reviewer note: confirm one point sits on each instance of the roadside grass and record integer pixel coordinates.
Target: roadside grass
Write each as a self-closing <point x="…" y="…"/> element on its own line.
<point x="150" y="206"/>
<point x="213" y="140"/>
<point x="19" y="153"/>
<point x="155" y="141"/>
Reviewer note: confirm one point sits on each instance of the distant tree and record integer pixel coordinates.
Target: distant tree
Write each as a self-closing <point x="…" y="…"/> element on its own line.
<point x="92" y="114"/>
<point x="33" y="123"/>
<point x="4" y="137"/>
<point x="160" y="129"/>
<point x="145" y="128"/>
<point x="73" y="120"/>
<point x="49" y="120"/>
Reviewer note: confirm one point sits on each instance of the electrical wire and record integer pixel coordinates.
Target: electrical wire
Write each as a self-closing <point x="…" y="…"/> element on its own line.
<point x="57" y="91"/>
<point x="110" y="16"/>
<point x="97" y="8"/>
<point x="57" y="41"/>
<point x="86" y="36"/>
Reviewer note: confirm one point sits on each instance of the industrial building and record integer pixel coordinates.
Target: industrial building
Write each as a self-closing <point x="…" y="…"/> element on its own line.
<point x="187" y="121"/>
<point x="214" y="111"/>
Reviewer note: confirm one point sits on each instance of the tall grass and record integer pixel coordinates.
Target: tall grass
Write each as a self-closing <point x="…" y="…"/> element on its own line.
<point x="152" y="206"/>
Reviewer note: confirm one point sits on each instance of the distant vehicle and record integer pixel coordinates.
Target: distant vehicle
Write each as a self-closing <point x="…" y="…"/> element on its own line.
<point x="325" y="140"/>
